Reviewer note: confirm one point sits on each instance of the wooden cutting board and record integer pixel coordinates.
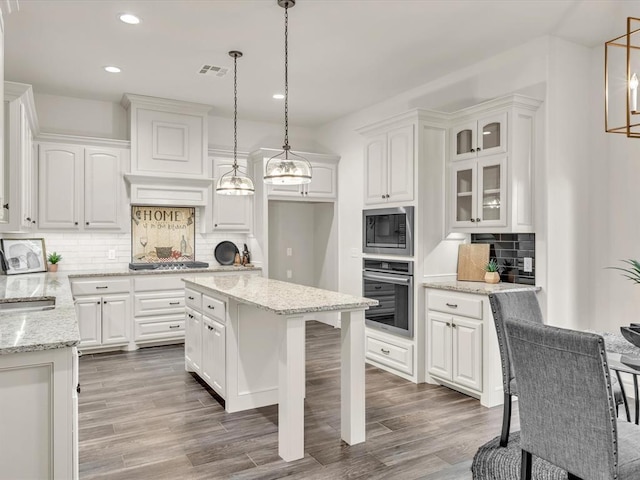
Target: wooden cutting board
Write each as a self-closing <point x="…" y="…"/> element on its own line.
<point x="472" y="259"/>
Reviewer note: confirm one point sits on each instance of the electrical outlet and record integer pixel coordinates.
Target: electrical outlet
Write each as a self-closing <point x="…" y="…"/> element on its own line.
<point x="528" y="264"/>
<point x="289" y="274"/>
<point x="111" y="254"/>
<point x="289" y="251"/>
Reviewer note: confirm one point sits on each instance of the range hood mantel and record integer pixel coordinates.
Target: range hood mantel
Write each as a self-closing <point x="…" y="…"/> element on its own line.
<point x="167" y="190"/>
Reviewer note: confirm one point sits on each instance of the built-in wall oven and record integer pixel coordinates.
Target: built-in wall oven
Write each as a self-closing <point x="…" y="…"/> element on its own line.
<point x="388" y="231"/>
<point x="391" y="283"/>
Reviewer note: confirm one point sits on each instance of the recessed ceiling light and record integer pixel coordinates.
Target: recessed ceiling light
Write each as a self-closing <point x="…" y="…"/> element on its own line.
<point x="112" y="69"/>
<point x="129" y="18"/>
<point x="278" y="96"/>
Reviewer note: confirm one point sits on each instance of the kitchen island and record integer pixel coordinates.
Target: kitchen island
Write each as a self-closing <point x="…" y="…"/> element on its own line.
<point x="258" y="333"/>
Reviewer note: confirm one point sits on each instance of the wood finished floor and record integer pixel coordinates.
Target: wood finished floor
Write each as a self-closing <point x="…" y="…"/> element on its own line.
<point x="141" y="416"/>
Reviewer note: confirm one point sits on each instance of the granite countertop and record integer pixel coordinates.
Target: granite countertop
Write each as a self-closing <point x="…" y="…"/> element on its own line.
<point x="116" y="272"/>
<point x="479" y="288"/>
<point x="57" y="327"/>
<point x="37" y="330"/>
<point x="282" y="298"/>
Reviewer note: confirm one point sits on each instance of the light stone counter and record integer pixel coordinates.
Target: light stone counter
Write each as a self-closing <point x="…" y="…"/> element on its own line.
<point x="281" y="298"/>
<point x="118" y="272"/>
<point x="479" y="288"/>
<point x="37" y="330"/>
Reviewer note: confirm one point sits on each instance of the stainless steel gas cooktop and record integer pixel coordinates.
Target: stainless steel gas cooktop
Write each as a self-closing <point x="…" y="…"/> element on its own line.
<point x="167" y="265"/>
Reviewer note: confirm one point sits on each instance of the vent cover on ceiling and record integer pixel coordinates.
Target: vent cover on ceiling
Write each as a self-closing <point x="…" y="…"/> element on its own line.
<point x="213" y="70"/>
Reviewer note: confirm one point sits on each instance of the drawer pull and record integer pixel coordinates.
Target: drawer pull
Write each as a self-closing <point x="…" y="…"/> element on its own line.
<point x="453" y="325"/>
<point x="211" y="307"/>
<point x="386" y="352"/>
<point x="209" y="327"/>
<point x="448" y="324"/>
<point x="174" y="303"/>
<point x="174" y="326"/>
<point x="190" y="316"/>
<point x="101" y="288"/>
<point x="191" y="298"/>
<point x="452" y="305"/>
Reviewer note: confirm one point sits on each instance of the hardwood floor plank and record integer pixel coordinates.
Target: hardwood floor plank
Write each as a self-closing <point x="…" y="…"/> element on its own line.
<point x="143" y="417"/>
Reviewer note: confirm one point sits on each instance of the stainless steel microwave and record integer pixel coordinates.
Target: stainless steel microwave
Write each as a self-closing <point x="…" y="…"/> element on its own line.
<point x="388" y="231"/>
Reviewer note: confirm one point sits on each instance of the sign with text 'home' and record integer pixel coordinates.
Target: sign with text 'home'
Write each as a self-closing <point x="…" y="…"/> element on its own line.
<point x="162" y="234"/>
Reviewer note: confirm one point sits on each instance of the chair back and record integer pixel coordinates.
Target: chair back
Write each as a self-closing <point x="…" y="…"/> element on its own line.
<point x="522" y="305"/>
<point x="567" y="410"/>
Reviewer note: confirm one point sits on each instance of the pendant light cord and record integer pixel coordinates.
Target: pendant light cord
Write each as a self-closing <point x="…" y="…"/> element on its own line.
<point x="235" y="114"/>
<point x="286" y="78"/>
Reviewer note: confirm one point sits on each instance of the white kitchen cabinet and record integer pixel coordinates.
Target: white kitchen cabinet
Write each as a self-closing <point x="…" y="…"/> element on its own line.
<point x="103" y="310"/>
<point x="193" y="341"/>
<point x="461" y="344"/>
<point x="104" y="320"/>
<point x="390" y="351"/>
<point x="389" y="166"/>
<point x="214" y="354"/>
<point x="323" y="185"/>
<point x="229" y="212"/>
<point x="39" y="415"/>
<point x="479" y="192"/>
<point x="80" y="188"/>
<point x="481" y="137"/>
<point x="18" y="207"/>
<point x="490" y="188"/>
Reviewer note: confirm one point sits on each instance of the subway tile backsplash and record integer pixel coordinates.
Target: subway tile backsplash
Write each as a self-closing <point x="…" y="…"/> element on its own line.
<point x="510" y="250"/>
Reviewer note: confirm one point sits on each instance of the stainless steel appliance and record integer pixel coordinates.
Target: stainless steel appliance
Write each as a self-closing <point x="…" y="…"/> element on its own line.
<point x="167" y="265"/>
<point x="388" y="231"/>
<point x="391" y="283"/>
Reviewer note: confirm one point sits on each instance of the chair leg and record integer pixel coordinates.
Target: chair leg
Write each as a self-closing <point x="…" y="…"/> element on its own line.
<point x="506" y="420"/>
<point x="525" y="470"/>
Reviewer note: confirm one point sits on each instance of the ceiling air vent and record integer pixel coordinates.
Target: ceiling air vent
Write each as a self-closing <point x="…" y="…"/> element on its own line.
<point x="213" y="70"/>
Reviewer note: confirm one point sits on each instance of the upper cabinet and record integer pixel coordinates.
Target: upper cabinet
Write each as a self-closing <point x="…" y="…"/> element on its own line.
<point x="323" y="184"/>
<point x="81" y="187"/>
<point x="228" y="212"/>
<point x="389" y="163"/>
<point x="491" y="164"/>
<point x="21" y="123"/>
<point x="476" y="138"/>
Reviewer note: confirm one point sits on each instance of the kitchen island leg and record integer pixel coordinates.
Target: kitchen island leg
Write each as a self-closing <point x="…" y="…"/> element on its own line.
<point x="352" y="388"/>
<point x="291" y="377"/>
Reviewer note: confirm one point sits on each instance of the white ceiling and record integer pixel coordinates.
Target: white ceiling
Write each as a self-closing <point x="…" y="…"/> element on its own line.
<point x="344" y="55"/>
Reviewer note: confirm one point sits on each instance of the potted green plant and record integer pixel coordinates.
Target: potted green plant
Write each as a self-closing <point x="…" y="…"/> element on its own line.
<point x="54" y="258"/>
<point x="492" y="274"/>
<point x="632" y="273"/>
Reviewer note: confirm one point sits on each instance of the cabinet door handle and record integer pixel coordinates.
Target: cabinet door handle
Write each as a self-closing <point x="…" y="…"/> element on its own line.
<point x="387" y="195"/>
<point x="211" y="307"/>
<point x="452" y="305"/>
<point x="98" y="302"/>
<point x="386" y="352"/>
<point x="75" y="223"/>
<point x="383" y="196"/>
<point x="209" y="327"/>
<point x="306" y="193"/>
<point x="473" y="149"/>
<point x="33" y="221"/>
<point x="448" y="324"/>
<point x="473" y="220"/>
<point x="86" y="223"/>
<point x="478" y="220"/>
<point x="478" y="149"/>
<point x="101" y="288"/>
<point x="28" y="219"/>
<point x="174" y="326"/>
<point x="5" y="206"/>
<point x="104" y="302"/>
<point x="453" y="325"/>
<point x="378" y="287"/>
<point x="190" y="316"/>
<point x="191" y="298"/>
<point x="78" y="388"/>
<point x="174" y="303"/>
<point x="301" y="193"/>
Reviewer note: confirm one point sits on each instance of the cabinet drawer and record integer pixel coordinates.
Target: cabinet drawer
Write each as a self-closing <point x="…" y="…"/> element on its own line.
<point x="456" y="305"/>
<point x="153" y="283"/>
<point x="395" y="355"/>
<point x="100" y="286"/>
<point x="214" y="308"/>
<point x="159" y="303"/>
<point x="193" y="299"/>
<point x="159" y="328"/>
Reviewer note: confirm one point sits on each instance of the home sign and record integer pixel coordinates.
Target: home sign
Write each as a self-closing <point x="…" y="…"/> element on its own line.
<point x="162" y="234"/>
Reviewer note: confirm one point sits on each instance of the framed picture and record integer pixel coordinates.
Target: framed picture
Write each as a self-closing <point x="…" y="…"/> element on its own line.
<point x="24" y="255"/>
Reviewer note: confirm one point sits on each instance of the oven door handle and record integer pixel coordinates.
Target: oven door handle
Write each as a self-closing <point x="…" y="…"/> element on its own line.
<point x="398" y="279"/>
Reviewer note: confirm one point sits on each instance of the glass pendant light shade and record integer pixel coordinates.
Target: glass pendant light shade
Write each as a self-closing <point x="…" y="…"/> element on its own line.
<point x="287" y="168"/>
<point x="234" y="182"/>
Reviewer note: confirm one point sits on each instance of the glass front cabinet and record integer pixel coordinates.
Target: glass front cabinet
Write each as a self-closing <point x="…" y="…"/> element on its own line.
<point x="479" y="192"/>
<point x="478" y="138"/>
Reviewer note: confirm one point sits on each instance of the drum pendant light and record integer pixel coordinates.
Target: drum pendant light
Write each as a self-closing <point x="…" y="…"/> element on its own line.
<point x="287" y="167"/>
<point x="234" y="182"/>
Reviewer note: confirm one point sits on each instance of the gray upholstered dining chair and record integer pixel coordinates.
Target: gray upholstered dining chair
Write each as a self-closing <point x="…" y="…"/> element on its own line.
<point x="566" y="404"/>
<point x="521" y="305"/>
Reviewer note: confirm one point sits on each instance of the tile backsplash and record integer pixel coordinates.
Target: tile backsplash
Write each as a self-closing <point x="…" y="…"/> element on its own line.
<point x="510" y="250"/>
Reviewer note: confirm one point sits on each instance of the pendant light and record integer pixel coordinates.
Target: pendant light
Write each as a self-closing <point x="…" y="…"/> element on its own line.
<point x="287" y="168"/>
<point x="234" y="182"/>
